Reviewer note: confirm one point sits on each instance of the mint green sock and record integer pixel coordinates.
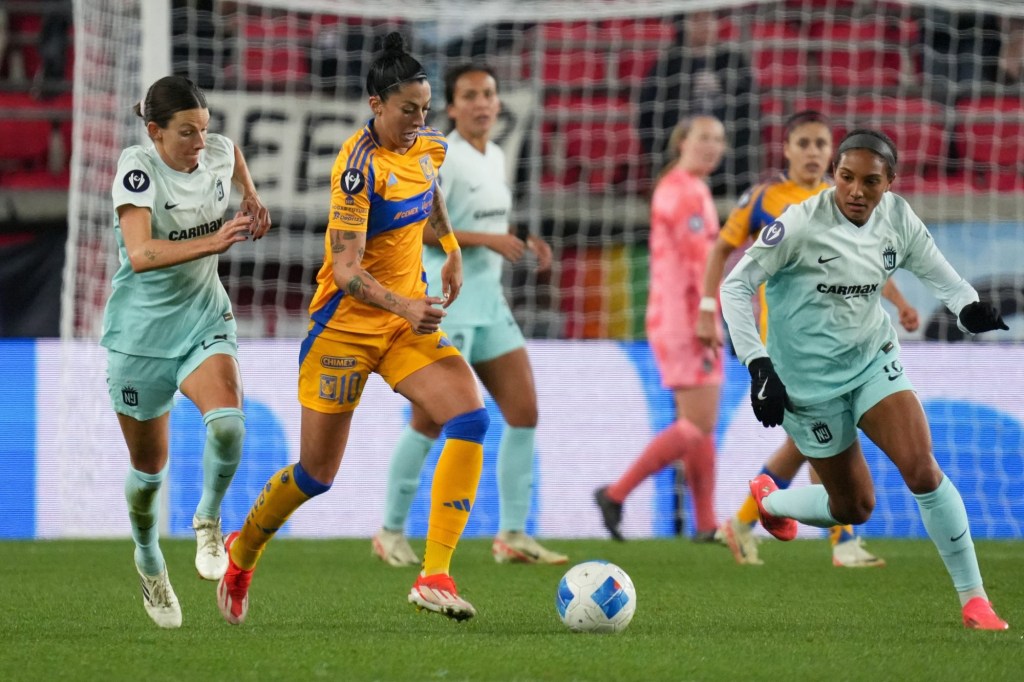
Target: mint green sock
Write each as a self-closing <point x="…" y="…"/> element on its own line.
<point x="404" y="476"/>
<point x="515" y="477"/>
<point x="808" y="505"/>
<point x="945" y="519"/>
<point x="142" y="491"/>
<point x="225" y="431"/>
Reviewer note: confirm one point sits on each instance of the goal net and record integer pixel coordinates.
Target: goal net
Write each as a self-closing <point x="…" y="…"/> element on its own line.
<point x="590" y="90"/>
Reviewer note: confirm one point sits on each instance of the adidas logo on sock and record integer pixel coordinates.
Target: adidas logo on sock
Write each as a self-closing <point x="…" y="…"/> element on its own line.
<point x="461" y="505"/>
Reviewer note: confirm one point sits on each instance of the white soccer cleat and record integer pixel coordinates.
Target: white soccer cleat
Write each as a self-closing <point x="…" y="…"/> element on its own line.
<point x="739" y="537"/>
<point x="851" y="554"/>
<point x="159" y="599"/>
<point x="438" y="593"/>
<point x="516" y="547"/>
<point x="211" y="558"/>
<point x="391" y="546"/>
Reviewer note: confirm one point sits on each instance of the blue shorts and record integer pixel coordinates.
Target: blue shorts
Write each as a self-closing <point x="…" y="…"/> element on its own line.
<point x="143" y="387"/>
<point x="825" y="429"/>
<point x="486" y="342"/>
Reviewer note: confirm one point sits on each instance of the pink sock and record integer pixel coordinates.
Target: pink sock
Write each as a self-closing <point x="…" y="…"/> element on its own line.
<point x="668" y="446"/>
<point x="699" y="464"/>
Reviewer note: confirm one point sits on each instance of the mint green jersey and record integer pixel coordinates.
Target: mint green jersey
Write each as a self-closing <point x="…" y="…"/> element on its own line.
<point x="825" y="275"/>
<point x="479" y="200"/>
<point x="164" y="313"/>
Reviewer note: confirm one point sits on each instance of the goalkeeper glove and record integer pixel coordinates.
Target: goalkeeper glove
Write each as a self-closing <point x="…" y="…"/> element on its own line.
<point x="767" y="393"/>
<point x="977" y="317"/>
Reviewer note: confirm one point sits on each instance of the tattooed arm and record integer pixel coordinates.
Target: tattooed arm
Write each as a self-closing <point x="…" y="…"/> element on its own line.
<point x="451" y="271"/>
<point x="347" y="249"/>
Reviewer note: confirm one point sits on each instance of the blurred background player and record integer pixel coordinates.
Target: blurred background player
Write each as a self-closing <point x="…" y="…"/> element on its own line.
<point x="168" y="323"/>
<point x="684" y="224"/>
<point x="701" y="73"/>
<point x="807" y="149"/>
<point x="371" y="313"/>
<point x="824" y="262"/>
<point x="481" y="326"/>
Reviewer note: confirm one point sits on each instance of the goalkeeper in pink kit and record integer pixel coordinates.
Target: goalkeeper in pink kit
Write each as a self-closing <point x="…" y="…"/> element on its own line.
<point x="684" y="226"/>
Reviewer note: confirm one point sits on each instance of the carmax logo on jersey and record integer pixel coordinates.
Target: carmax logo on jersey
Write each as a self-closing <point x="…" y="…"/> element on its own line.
<point x="197" y="231"/>
<point x="848" y="290"/>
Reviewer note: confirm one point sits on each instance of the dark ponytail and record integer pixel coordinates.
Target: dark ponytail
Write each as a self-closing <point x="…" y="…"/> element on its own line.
<point x="168" y="96"/>
<point x="393" y="68"/>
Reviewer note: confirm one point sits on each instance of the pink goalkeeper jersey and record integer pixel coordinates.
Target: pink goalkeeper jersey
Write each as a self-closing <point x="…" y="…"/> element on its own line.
<point x="684" y="225"/>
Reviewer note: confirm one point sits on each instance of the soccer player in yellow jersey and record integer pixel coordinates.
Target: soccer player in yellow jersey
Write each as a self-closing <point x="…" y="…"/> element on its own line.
<point x="808" y="152"/>
<point x="371" y="313"/>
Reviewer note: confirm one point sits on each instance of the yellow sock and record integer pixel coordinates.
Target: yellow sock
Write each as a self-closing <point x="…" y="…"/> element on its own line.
<point x="748" y="511"/>
<point x="837" y="534"/>
<point x="451" y="499"/>
<point x="279" y="498"/>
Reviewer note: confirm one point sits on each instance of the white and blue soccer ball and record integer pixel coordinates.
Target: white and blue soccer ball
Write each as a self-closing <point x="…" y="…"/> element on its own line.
<point x="596" y="596"/>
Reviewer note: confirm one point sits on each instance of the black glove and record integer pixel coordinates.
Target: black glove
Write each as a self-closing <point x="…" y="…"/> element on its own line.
<point x="978" y="317"/>
<point x="767" y="393"/>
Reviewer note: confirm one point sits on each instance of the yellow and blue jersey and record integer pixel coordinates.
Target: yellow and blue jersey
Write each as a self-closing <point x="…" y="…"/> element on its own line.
<point x="759" y="207"/>
<point x="388" y="196"/>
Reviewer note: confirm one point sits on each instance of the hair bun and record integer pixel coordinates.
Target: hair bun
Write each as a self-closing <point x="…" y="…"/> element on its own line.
<point x="394" y="42"/>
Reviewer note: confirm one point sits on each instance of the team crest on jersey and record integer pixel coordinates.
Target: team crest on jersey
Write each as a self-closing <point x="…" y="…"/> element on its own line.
<point x="696" y="223"/>
<point x="889" y="256"/>
<point x="220" y="190"/>
<point x="136" y="181"/>
<point x="427" y="167"/>
<point x="352" y="181"/>
<point x="773" y="234"/>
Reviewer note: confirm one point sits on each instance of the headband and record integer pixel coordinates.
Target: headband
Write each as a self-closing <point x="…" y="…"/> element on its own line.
<point x="419" y="75"/>
<point x="142" y="108"/>
<point x="872" y="143"/>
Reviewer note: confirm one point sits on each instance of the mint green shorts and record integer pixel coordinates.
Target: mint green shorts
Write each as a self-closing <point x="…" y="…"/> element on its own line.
<point x="486" y="342"/>
<point x="143" y="388"/>
<point x="825" y="429"/>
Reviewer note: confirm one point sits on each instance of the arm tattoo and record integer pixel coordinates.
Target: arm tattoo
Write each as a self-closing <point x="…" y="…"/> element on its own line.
<point x="150" y="254"/>
<point x="337" y="237"/>
<point x="357" y="286"/>
<point x="336" y="245"/>
<point x="438" y="219"/>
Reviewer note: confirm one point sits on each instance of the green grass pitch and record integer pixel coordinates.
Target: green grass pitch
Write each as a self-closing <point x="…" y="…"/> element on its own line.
<point x="71" y="610"/>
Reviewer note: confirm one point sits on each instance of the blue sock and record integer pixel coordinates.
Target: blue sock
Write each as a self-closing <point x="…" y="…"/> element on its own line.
<point x="945" y="519"/>
<point x="515" y="477"/>
<point x="783" y="483"/>
<point x="404" y="476"/>
<point x="808" y="505"/>
<point x="225" y="431"/>
<point x="142" y="491"/>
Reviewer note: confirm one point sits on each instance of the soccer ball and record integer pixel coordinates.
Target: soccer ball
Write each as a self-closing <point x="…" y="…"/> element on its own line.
<point x="596" y="596"/>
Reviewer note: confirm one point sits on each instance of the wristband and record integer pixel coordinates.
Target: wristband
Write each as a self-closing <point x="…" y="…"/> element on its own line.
<point x="449" y="243"/>
<point x="708" y="304"/>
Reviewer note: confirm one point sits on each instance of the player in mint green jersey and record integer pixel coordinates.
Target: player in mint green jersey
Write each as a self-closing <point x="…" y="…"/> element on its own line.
<point x="832" y="363"/>
<point x="168" y="323"/>
<point x="480" y="325"/>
